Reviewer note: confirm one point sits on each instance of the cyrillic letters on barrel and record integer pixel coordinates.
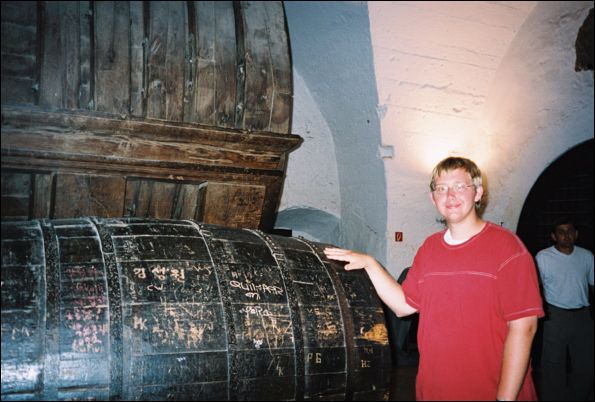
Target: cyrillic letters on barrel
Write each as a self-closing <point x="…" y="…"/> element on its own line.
<point x="139" y="309"/>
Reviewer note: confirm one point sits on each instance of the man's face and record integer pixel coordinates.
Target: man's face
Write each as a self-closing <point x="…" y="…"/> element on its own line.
<point x="565" y="235"/>
<point x="456" y="206"/>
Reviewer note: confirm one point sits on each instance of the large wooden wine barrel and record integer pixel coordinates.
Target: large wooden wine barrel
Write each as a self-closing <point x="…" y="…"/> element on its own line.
<point x="144" y="309"/>
<point x="161" y="109"/>
<point x="217" y="63"/>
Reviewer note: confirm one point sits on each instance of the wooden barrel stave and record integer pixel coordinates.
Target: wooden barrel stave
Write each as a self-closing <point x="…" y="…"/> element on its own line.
<point x="145" y="309"/>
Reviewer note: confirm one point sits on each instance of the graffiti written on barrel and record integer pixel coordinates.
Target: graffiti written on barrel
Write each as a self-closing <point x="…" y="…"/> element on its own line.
<point x="158" y="309"/>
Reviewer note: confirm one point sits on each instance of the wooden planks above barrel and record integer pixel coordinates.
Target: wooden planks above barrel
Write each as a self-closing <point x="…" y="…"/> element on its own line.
<point x="218" y="63"/>
<point x="108" y="102"/>
<point x="145" y="309"/>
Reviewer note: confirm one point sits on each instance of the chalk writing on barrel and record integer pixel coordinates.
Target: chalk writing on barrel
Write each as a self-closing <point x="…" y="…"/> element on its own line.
<point x="176" y="326"/>
<point x="258" y="310"/>
<point x="162" y="273"/>
<point x="253" y="290"/>
<point x="315" y="357"/>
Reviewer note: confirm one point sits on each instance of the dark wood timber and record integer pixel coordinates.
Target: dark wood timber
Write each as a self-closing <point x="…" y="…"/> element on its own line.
<point x="147" y="309"/>
<point x="167" y="109"/>
<point x="65" y="164"/>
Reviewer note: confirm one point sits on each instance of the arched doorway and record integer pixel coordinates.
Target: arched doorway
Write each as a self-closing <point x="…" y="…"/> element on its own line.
<point x="565" y="188"/>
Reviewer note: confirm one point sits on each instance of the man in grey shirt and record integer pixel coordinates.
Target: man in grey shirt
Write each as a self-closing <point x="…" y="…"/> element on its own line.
<point x="566" y="273"/>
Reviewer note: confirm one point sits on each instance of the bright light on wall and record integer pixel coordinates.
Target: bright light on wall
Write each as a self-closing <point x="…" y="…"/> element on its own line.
<point x="437" y="137"/>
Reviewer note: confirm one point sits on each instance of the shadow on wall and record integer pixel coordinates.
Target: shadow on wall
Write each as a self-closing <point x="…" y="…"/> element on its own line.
<point x="331" y="49"/>
<point x="564" y="188"/>
<point x="310" y="223"/>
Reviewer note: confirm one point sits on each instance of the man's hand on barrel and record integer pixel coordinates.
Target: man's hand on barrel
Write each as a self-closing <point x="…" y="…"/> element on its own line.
<point x="354" y="260"/>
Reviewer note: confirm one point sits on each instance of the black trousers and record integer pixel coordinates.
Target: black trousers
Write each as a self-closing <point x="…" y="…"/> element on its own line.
<point x="567" y="338"/>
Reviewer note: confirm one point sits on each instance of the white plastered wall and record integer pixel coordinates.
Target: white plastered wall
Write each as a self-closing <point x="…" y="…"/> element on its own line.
<point x="493" y="81"/>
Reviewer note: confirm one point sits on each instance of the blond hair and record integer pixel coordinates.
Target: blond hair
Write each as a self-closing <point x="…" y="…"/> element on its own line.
<point x="453" y="163"/>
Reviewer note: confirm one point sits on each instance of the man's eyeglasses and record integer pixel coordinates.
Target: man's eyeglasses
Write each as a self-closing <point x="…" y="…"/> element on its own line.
<point x="458" y="188"/>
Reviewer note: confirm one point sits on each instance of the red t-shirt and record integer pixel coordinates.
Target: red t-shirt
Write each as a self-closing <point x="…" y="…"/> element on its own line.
<point x="465" y="295"/>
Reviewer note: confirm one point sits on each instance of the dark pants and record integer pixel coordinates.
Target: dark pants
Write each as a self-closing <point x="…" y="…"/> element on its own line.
<point x="567" y="338"/>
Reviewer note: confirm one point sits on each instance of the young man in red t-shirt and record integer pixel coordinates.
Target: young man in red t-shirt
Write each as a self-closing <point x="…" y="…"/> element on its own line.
<point x="475" y="287"/>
